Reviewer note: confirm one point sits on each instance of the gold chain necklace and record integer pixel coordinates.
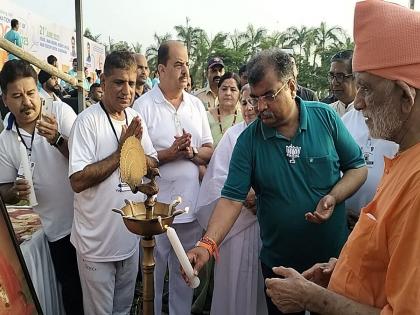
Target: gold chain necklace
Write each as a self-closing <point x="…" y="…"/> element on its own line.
<point x="220" y="122"/>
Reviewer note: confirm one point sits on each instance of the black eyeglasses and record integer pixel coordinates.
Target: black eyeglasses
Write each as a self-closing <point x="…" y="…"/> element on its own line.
<point x="268" y="98"/>
<point x="339" y="77"/>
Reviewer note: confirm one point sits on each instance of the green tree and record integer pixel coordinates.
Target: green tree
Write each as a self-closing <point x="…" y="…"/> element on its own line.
<point x="91" y="36"/>
<point x="137" y="47"/>
<point x="152" y="50"/>
<point x="253" y="38"/>
<point x="120" y="45"/>
<point x="297" y="37"/>
<point x="189" y="35"/>
<point x="275" y="40"/>
<point x="205" y="48"/>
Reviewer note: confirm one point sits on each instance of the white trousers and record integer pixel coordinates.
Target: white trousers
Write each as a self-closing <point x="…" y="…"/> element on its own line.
<point x="108" y="287"/>
<point x="180" y="294"/>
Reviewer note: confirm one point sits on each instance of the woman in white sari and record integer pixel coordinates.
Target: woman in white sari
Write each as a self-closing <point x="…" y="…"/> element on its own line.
<point x="238" y="281"/>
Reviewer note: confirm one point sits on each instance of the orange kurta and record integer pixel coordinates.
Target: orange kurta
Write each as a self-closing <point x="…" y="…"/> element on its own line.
<point x="380" y="263"/>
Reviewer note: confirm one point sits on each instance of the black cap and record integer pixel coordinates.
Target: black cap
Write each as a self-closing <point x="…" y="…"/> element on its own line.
<point x="215" y="61"/>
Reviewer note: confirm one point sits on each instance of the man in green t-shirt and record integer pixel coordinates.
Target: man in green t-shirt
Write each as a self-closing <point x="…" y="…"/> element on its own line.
<point x="302" y="164"/>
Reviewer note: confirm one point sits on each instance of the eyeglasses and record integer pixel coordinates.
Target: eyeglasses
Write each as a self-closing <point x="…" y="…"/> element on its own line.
<point x="339" y="77"/>
<point x="268" y="98"/>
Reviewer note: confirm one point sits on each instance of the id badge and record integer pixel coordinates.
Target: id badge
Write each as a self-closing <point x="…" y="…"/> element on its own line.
<point x="20" y="173"/>
<point x="369" y="156"/>
<point x="123" y="187"/>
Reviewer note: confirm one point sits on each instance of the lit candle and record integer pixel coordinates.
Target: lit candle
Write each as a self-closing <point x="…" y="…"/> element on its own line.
<point x="27" y="173"/>
<point x="182" y="257"/>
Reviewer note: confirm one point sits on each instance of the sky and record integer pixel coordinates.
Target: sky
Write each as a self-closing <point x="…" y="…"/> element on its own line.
<point x="138" y="20"/>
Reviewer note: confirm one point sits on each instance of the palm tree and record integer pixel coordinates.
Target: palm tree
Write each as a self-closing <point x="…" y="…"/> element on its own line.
<point x="237" y="40"/>
<point x="297" y="37"/>
<point x="205" y="48"/>
<point x="189" y="35"/>
<point x="137" y="47"/>
<point x="323" y="37"/>
<point x="254" y="37"/>
<point x="152" y="50"/>
<point x="275" y="40"/>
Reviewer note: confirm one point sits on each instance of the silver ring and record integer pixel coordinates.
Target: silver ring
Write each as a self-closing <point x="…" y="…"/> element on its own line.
<point x="177" y="148"/>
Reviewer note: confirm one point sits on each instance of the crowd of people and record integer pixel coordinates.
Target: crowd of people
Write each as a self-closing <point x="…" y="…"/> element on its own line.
<point x="295" y="205"/>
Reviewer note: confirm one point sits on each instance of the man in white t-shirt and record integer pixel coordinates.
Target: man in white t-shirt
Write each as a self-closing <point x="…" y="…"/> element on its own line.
<point x="45" y="141"/>
<point x="374" y="151"/>
<point x="180" y="132"/>
<point x="107" y="252"/>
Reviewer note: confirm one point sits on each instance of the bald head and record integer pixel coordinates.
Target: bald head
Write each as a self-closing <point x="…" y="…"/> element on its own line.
<point x="173" y="66"/>
<point x="165" y="49"/>
<point x="142" y="69"/>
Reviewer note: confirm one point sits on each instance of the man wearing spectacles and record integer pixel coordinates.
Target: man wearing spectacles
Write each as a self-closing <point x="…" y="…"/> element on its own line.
<point x="342" y="82"/>
<point x="292" y="157"/>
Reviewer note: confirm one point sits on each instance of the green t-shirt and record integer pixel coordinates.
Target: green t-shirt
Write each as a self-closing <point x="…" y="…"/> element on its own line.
<point x="263" y="159"/>
<point x="15" y="38"/>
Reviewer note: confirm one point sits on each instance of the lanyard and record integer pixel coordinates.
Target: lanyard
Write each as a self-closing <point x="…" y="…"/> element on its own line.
<point x="110" y="122"/>
<point x="220" y="122"/>
<point x="23" y="141"/>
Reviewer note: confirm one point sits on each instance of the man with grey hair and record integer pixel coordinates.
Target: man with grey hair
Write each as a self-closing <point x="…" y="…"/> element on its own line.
<point x="107" y="253"/>
<point x="292" y="157"/>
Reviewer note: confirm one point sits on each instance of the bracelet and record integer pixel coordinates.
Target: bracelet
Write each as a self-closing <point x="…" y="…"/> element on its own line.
<point x="211" y="246"/>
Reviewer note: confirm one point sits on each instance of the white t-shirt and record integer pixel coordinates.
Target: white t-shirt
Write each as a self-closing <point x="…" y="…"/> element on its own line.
<point x="180" y="177"/>
<point x="374" y="151"/>
<point x="51" y="183"/>
<point x="98" y="233"/>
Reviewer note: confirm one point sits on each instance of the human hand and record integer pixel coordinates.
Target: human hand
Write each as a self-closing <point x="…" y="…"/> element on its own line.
<point x="181" y="147"/>
<point x="198" y="257"/>
<point x="249" y="202"/>
<point x="289" y="292"/>
<point x="320" y="273"/>
<point x="323" y="210"/>
<point x="134" y="129"/>
<point x="20" y="189"/>
<point x="48" y="128"/>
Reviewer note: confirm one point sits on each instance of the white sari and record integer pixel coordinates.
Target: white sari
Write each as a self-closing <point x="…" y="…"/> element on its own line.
<point x="238" y="280"/>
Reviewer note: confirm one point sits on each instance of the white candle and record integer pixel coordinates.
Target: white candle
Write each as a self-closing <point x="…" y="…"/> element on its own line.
<point x="182" y="257"/>
<point x="27" y="173"/>
<point x="173" y="204"/>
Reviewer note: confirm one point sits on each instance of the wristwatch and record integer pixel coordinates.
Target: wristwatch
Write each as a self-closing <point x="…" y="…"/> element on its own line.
<point x="59" y="141"/>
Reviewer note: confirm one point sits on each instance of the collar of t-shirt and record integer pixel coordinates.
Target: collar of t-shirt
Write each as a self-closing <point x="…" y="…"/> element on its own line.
<point x="269" y="132"/>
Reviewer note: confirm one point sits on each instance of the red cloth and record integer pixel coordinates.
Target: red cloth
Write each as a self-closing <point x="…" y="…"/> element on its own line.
<point x="13" y="300"/>
<point x="387" y="41"/>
